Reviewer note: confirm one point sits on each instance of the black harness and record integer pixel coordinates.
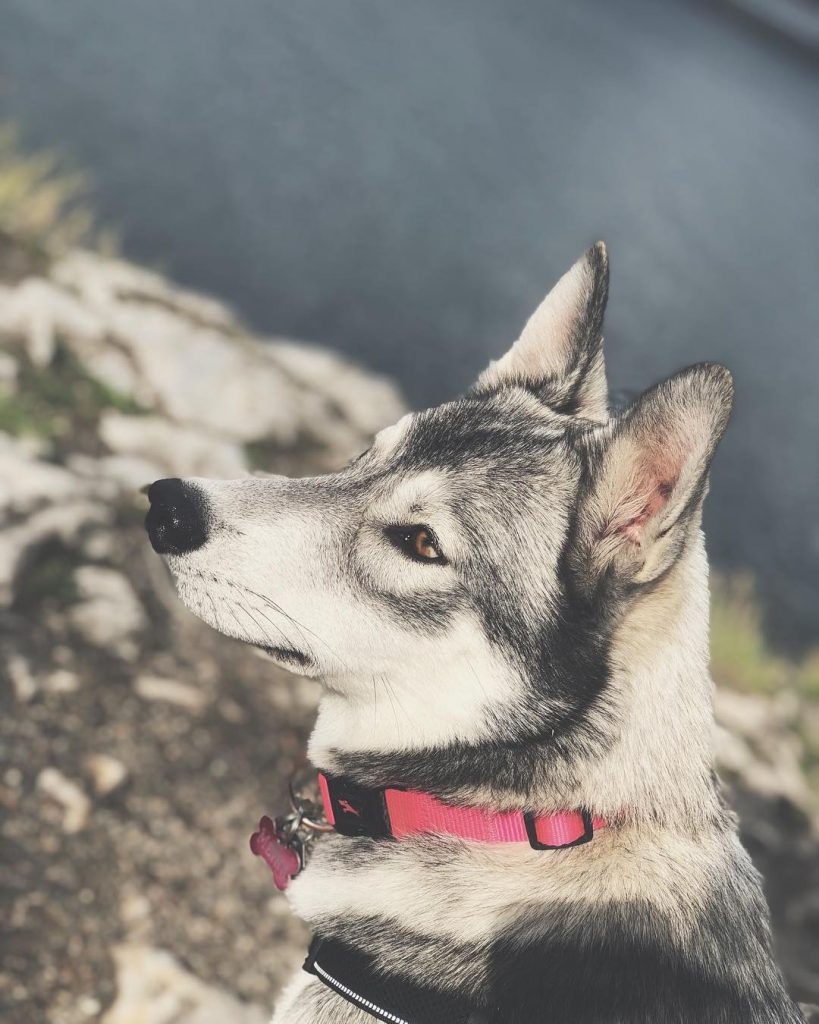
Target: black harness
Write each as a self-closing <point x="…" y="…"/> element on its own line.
<point x="354" y="976"/>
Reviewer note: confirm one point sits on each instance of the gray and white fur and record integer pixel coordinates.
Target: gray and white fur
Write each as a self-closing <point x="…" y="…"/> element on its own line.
<point x="547" y="649"/>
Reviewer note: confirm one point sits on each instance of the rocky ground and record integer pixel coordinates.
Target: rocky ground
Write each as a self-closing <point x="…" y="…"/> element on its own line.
<point x="137" y="747"/>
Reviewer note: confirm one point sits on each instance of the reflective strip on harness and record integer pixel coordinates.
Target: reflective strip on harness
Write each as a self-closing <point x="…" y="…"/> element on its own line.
<point x="354" y="976"/>
<point x="354" y="997"/>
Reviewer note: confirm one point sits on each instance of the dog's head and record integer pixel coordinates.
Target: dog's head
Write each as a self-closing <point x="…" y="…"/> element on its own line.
<point x="463" y="577"/>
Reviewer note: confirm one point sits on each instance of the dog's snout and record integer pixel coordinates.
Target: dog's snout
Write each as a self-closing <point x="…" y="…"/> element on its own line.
<point x="177" y="521"/>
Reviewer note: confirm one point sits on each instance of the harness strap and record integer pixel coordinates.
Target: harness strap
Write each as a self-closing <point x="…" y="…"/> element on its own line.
<point x="355" y="976"/>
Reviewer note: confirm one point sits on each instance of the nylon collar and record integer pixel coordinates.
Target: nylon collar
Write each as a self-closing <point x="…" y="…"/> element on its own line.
<point x="388" y="812"/>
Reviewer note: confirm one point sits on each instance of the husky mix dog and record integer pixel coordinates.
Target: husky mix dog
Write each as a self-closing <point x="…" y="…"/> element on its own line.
<point x="506" y="600"/>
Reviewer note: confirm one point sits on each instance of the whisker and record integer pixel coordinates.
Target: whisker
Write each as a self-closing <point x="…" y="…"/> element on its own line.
<point x="278" y="629"/>
<point x="263" y="632"/>
<point x="392" y="694"/>
<point x="243" y="632"/>
<point x="299" y="625"/>
<point x="304" y="640"/>
<point x="478" y="679"/>
<point x="278" y="608"/>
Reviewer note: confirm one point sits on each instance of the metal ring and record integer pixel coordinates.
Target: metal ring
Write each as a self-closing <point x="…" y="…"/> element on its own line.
<point x="317" y="826"/>
<point x="299" y="807"/>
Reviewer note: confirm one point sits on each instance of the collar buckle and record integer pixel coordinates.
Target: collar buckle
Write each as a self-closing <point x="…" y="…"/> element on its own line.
<point x="530" y="821"/>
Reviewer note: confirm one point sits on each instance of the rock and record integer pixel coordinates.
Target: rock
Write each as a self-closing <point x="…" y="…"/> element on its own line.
<point x="107" y="773"/>
<point x="109" y="613"/>
<point x="40" y="501"/>
<point x="26" y="481"/>
<point x="8" y="371"/>
<point x="173" y="449"/>
<point x="61" y="680"/>
<point x="153" y="988"/>
<point x="266" y="390"/>
<point x="757" y="744"/>
<point x="75" y="804"/>
<point x="112" y="367"/>
<point x="129" y="472"/>
<point x="102" y="281"/>
<point x="235" y="390"/>
<point x="39" y="312"/>
<point x="22" y="678"/>
<point x="170" y="690"/>
<point x="64" y="521"/>
<point x="99" y="545"/>
<point x="367" y="401"/>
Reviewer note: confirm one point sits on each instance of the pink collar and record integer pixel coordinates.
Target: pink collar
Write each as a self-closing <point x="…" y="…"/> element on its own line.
<point x="397" y="813"/>
<point x="390" y="813"/>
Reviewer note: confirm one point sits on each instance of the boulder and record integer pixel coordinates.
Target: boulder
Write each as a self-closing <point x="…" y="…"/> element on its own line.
<point x="154" y="988"/>
<point x="108" y="613"/>
<point x="173" y="449"/>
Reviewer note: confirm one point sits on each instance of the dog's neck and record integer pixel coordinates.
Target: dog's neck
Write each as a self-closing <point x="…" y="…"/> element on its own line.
<point x="660" y="764"/>
<point x="645" y="751"/>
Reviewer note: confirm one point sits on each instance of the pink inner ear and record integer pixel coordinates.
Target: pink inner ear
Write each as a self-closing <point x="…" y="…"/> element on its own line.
<point x="658" y="498"/>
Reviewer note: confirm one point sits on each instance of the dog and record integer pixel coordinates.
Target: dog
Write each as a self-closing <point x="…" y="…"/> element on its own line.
<point x="506" y="600"/>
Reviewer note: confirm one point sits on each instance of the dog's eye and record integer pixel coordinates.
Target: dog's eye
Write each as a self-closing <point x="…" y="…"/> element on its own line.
<point x="418" y="542"/>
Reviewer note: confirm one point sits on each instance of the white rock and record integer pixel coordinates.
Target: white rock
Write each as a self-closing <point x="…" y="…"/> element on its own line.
<point x="114" y="369"/>
<point x="61" y="680"/>
<point x="75" y="804"/>
<point x="62" y="521"/>
<point x="756" y="742"/>
<point x="26" y="482"/>
<point x="39" y="311"/>
<point x="109" y="613"/>
<point x="101" y="281"/>
<point x="8" y="371"/>
<point x="188" y="356"/>
<point x="204" y="377"/>
<point x="22" y="678"/>
<point x="368" y="401"/>
<point x="100" y="545"/>
<point x="107" y="773"/>
<point x="175" y="450"/>
<point x="153" y="988"/>
<point x="129" y="472"/>
<point x="171" y="690"/>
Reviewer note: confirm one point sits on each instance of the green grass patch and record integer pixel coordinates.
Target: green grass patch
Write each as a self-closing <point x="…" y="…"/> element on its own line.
<point x="740" y="655"/>
<point x="41" y="207"/>
<point x="60" y="403"/>
<point x="47" y="579"/>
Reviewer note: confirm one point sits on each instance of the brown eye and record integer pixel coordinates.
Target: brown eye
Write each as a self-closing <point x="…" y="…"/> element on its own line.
<point x="424" y="546"/>
<point x="417" y="542"/>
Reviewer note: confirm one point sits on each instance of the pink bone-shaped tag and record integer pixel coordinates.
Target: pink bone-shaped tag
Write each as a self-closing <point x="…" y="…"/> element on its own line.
<point x="282" y="861"/>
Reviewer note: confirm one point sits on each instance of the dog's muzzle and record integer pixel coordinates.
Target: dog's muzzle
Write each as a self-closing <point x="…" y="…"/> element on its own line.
<point x="177" y="521"/>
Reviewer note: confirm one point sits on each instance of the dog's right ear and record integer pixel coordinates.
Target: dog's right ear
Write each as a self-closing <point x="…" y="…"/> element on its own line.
<point x="559" y="354"/>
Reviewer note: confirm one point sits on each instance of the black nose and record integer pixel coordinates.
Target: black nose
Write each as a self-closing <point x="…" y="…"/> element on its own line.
<point x="177" y="520"/>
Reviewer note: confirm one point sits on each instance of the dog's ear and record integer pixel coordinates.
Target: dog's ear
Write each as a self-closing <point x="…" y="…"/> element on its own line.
<point x="648" y="478"/>
<point x="559" y="354"/>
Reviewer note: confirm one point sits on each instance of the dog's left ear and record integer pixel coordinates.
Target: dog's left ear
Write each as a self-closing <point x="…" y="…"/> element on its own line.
<point x="559" y="354"/>
<point x="648" y="477"/>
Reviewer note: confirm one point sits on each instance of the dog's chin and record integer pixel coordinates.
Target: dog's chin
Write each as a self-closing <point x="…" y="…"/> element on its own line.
<point x="199" y="601"/>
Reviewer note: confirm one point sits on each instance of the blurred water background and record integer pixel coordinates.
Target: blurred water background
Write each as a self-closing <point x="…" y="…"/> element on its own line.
<point x="402" y="182"/>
